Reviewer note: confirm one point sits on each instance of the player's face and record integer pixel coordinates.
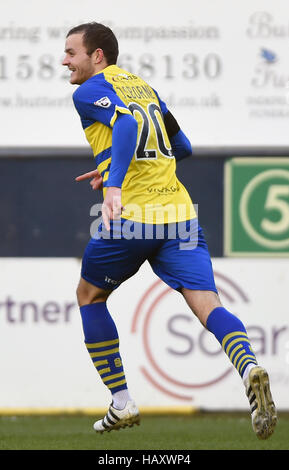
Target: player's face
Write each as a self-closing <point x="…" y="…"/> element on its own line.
<point x="76" y="59"/>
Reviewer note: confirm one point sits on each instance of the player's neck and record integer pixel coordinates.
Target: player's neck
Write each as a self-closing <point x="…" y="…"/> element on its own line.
<point x="98" y="68"/>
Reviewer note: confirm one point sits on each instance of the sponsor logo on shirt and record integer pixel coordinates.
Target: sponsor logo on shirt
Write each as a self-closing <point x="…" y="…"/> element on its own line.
<point x="164" y="189"/>
<point x="123" y="76"/>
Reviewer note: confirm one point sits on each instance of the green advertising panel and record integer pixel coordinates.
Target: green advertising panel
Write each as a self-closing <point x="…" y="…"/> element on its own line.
<point x="256" y="198"/>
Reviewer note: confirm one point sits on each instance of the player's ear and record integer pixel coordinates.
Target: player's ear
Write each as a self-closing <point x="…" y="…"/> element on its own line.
<point x="98" y="56"/>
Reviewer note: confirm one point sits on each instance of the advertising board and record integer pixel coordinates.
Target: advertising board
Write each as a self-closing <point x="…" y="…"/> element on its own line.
<point x="222" y="68"/>
<point x="170" y="360"/>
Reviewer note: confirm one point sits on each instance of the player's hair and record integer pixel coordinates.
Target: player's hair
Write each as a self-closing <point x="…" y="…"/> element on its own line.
<point x="97" y="35"/>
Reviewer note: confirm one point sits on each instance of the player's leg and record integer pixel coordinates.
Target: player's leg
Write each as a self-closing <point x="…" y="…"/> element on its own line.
<point x="227" y="328"/>
<point x="106" y="264"/>
<point x="232" y="335"/>
<point x="102" y="342"/>
<point x="190" y="271"/>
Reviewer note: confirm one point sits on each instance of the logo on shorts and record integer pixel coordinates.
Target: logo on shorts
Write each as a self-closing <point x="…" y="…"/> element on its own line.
<point x="103" y="102"/>
<point x="110" y="281"/>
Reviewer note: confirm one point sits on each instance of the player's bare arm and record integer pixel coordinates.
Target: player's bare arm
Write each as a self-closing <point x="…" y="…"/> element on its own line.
<point x="112" y="206"/>
<point x="95" y="176"/>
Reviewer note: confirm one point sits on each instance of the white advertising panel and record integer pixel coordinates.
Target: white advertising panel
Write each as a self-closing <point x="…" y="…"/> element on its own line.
<point x="170" y="360"/>
<point x="221" y="66"/>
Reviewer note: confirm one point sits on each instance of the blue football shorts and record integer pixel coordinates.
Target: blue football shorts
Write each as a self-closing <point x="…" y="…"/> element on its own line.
<point x="177" y="253"/>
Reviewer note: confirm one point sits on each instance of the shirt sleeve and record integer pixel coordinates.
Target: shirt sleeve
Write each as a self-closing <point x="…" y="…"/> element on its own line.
<point x="124" y="138"/>
<point x="98" y="102"/>
<point x="181" y="145"/>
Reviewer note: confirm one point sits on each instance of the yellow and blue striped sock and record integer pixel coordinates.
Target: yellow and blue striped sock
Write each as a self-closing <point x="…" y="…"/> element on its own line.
<point x="232" y="335"/>
<point x="102" y="342"/>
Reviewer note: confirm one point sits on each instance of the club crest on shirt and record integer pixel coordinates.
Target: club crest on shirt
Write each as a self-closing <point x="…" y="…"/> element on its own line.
<point x="103" y="102"/>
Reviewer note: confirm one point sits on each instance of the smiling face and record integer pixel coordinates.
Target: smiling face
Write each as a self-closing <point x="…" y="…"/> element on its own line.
<point x="81" y="65"/>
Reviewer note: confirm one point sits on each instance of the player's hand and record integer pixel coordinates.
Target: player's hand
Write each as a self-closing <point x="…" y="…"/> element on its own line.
<point x="112" y="206"/>
<point x="95" y="183"/>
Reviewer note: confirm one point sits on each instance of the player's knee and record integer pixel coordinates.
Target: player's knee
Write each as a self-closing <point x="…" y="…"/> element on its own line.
<point x="202" y="303"/>
<point x="88" y="294"/>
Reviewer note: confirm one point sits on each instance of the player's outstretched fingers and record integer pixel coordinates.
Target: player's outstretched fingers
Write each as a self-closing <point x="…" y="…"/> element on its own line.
<point x="96" y="182"/>
<point x="106" y="216"/>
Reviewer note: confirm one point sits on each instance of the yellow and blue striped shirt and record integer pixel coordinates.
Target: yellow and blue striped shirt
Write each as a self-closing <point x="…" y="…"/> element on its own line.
<point x="151" y="191"/>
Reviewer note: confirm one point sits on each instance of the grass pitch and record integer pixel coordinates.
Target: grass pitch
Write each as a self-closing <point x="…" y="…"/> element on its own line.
<point x="200" y="431"/>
